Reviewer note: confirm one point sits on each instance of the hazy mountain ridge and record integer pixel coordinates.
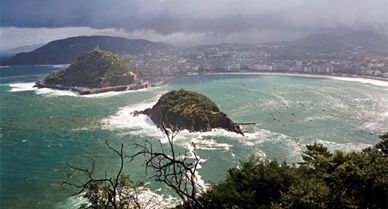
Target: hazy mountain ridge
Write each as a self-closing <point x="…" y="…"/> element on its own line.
<point x="67" y="50"/>
<point x="328" y="43"/>
<point x="20" y="49"/>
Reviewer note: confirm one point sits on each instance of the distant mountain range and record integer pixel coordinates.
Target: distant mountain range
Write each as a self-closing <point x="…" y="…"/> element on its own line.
<point x="324" y="43"/>
<point x="8" y="53"/>
<point x="67" y="50"/>
<point x="20" y="49"/>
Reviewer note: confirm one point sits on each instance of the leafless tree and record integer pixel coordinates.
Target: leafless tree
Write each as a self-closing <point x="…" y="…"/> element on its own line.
<point x="179" y="172"/>
<point x="116" y="192"/>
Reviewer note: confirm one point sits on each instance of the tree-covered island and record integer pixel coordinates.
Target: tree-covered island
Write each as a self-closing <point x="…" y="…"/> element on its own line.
<point x="182" y="109"/>
<point x="96" y="72"/>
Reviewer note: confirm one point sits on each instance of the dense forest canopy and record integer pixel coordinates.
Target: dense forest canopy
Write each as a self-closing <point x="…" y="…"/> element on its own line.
<point x="96" y="69"/>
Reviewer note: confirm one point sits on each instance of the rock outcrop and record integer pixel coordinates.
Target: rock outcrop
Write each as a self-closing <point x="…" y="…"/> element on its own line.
<point x="182" y="109"/>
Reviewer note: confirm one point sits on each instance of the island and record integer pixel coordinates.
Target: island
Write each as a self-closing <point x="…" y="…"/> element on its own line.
<point x="183" y="109"/>
<point x="97" y="71"/>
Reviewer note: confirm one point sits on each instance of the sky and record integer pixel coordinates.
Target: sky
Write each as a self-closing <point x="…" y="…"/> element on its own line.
<point x="186" y="22"/>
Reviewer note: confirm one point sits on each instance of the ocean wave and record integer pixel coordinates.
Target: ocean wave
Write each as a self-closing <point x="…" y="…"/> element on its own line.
<point x="377" y="122"/>
<point x="346" y="147"/>
<point x="319" y="118"/>
<point x="55" y="93"/>
<point x="210" y="140"/>
<point x="262" y="138"/>
<point x="143" y="125"/>
<point x="19" y="87"/>
<point x="360" y="80"/>
<point x="147" y="198"/>
<point x="61" y="66"/>
<point x="73" y="202"/>
<point x="116" y="93"/>
<point x="124" y="119"/>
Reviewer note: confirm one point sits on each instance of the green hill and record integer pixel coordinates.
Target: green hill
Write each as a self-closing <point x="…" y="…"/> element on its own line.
<point x="182" y="109"/>
<point x="96" y="69"/>
<point x="65" y="51"/>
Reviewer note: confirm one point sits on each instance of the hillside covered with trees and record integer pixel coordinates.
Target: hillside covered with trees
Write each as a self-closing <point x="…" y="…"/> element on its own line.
<point x="183" y="109"/>
<point x="65" y="51"/>
<point x="96" y="69"/>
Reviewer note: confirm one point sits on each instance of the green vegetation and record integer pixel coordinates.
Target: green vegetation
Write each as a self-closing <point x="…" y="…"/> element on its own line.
<point x="182" y="109"/>
<point x="96" y="69"/>
<point x="67" y="50"/>
<point x="322" y="180"/>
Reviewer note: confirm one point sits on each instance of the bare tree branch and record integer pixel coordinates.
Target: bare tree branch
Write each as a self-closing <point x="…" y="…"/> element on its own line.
<point x="178" y="173"/>
<point x="107" y="192"/>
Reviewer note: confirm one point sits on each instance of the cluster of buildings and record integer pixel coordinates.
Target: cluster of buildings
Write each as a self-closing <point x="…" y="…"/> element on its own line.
<point x="244" y="57"/>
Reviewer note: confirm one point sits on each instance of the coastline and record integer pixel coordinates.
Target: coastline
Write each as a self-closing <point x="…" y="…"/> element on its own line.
<point x="344" y="77"/>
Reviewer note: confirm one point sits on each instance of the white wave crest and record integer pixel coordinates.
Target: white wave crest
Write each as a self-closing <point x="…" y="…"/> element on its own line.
<point x="346" y="147"/>
<point x="140" y="124"/>
<point x="61" y="66"/>
<point x="74" y="202"/>
<point x="17" y="87"/>
<point x="362" y="80"/>
<point x="115" y="93"/>
<point x="55" y="93"/>
<point x="319" y="118"/>
<point x="147" y="199"/>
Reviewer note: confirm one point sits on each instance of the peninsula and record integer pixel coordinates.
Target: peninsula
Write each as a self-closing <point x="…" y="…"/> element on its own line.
<point x="97" y="71"/>
<point x="182" y="109"/>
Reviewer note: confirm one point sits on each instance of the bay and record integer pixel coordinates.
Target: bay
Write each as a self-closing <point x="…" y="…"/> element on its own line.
<point x="41" y="130"/>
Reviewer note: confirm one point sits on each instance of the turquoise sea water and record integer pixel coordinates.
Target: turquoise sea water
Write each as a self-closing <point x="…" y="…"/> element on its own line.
<point x="43" y="129"/>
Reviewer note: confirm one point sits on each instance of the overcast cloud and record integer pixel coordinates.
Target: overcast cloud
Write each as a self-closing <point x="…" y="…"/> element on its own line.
<point x="198" y="20"/>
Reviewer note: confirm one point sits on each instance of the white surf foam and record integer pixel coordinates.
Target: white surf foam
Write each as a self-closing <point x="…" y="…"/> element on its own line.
<point x="151" y="200"/>
<point x="61" y="66"/>
<point x="147" y="199"/>
<point x="319" y="118"/>
<point x="55" y="93"/>
<point x="346" y="147"/>
<point x="140" y="124"/>
<point x="360" y="80"/>
<point x="115" y="93"/>
<point x="74" y="202"/>
<point x="17" y="87"/>
<point x="143" y="125"/>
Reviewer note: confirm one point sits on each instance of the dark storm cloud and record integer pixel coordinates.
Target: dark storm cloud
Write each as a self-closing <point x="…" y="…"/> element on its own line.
<point x="131" y="15"/>
<point x="214" y="16"/>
